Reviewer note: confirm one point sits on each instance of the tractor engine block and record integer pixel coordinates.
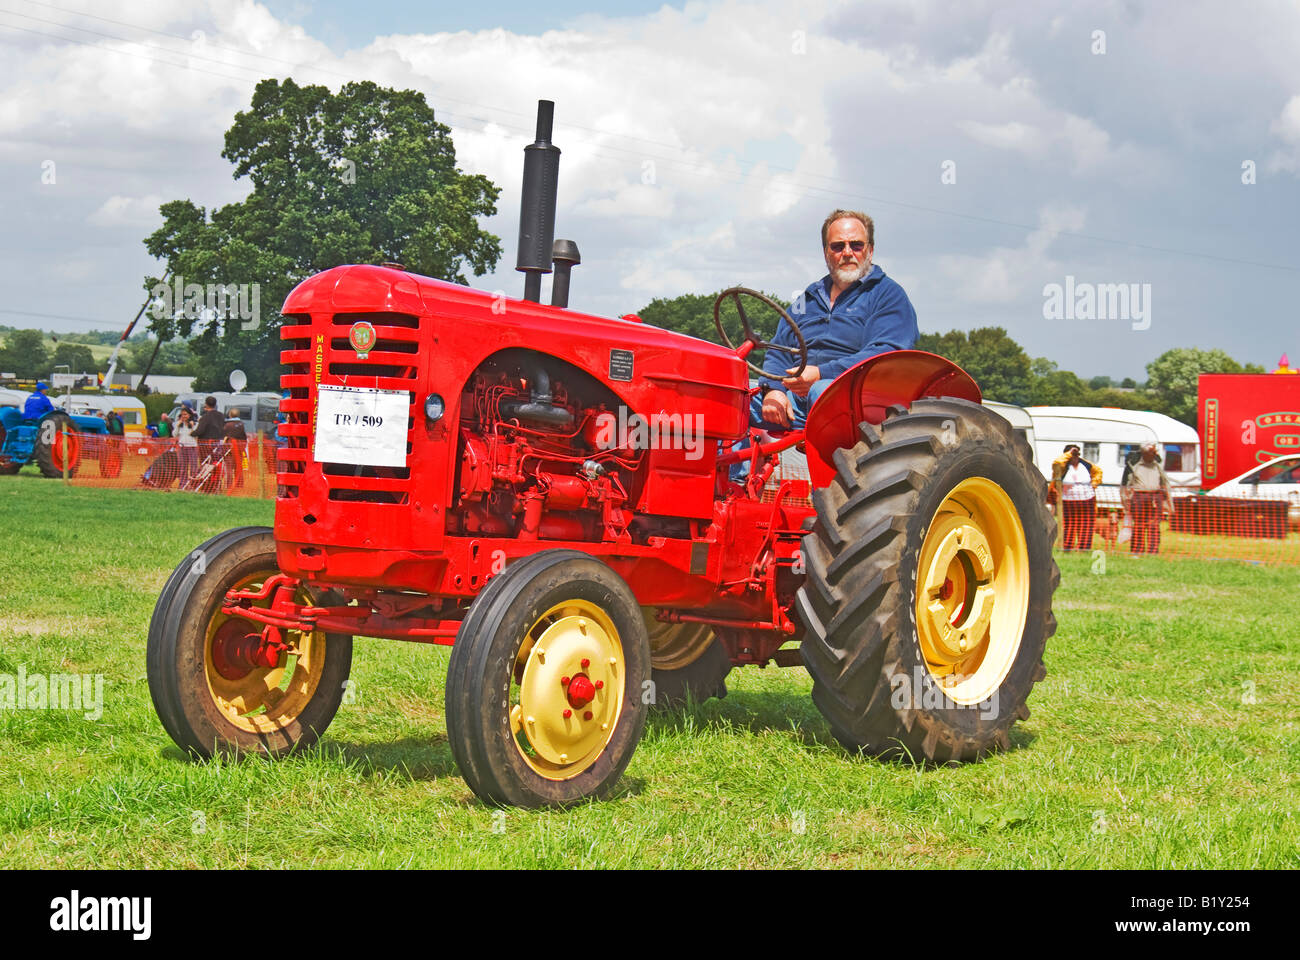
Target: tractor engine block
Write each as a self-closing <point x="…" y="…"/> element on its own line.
<point x="537" y="460"/>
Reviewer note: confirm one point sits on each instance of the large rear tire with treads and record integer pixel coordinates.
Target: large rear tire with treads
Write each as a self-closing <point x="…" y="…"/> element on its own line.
<point x="928" y="599"/>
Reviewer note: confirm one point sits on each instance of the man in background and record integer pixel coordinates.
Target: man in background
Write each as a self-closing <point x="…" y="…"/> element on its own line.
<point x="1146" y="491"/>
<point x="211" y="427"/>
<point x="38" y="404"/>
<point x="235" y="435"/>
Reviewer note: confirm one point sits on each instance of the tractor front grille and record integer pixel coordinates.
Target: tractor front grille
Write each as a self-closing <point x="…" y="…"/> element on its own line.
<point x="317" y="351"/>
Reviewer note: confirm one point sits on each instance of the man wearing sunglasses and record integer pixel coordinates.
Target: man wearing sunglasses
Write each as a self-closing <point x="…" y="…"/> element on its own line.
<point x="852" y="313"/>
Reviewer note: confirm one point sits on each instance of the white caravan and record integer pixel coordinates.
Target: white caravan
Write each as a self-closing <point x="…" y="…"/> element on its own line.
<point x="1108" y="435"/>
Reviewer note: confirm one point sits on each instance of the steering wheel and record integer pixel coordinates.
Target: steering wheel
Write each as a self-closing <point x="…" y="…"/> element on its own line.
<point x="751" y="338"/>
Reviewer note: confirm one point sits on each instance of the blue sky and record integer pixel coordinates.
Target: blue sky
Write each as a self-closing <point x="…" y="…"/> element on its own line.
<point x="347" y="25"/>
<point x="1100" y="140"/>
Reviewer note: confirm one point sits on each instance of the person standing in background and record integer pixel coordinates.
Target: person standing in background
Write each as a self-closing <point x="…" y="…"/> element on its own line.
<point x="1075" y="481"/>
<point x="1146" y="492"/>
<point x="236" y="436"/>
<point x="187" y="447"/>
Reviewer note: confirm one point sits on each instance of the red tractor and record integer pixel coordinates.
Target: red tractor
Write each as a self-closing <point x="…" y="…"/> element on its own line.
<point x="552" y="494"/>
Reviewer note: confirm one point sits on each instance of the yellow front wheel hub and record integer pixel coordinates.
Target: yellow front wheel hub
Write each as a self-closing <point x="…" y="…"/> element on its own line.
<point x="972" y="594"/>
<point x="568" y="690"/>
<point x="263" y="699"/>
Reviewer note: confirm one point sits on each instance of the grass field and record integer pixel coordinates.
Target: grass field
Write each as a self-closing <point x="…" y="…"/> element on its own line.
<point x="1165" y="735"/>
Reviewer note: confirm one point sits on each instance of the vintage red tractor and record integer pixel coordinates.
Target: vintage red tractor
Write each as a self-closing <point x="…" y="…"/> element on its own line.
<point x="551" y="493"/>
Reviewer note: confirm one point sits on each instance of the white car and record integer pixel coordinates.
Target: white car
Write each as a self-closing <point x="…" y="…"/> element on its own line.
<point x="1278" y="479"/>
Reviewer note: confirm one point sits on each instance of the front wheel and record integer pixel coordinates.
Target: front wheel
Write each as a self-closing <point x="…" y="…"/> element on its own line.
<point x="545" y="682"/>
<point x="212" y="689"/>
<point x="928" y="601"/>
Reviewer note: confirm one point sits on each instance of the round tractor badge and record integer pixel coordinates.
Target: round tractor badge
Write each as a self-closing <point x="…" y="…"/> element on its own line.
<point x="362" y="338"/>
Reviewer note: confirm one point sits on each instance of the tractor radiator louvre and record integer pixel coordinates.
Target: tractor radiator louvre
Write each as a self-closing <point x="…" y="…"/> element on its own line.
<point x="317" y="350"/>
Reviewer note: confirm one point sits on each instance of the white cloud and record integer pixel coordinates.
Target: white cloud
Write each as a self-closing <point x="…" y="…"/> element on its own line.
<point x="1287" y="128"/>
<point x="120" y="211"/>
<point x="1006" y="275"/>
<point x="710" y="94"/>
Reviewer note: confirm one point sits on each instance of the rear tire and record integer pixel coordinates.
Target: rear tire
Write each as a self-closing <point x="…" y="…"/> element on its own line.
<point x="688" y="662"/>
<point x="942" y="680"/>
<point x="49" y="444"/>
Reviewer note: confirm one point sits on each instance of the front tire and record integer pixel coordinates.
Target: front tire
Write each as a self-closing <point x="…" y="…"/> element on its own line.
<point x="930" y="580"/>
<point x="207" y="701"/>
<point x="545" y="682"/>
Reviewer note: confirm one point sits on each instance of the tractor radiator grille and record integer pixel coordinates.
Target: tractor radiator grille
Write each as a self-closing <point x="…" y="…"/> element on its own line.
<point x="317" y="350"/>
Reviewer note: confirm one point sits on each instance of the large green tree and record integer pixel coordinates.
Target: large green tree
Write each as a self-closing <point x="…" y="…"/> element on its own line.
<point x="999" y="365"/>
<point x="77" y="356"/>
<point x="366" y="175"/>
<point x="1172" y="377"/>
<point x="25" y="355"/>
<point x="692" y="314"/>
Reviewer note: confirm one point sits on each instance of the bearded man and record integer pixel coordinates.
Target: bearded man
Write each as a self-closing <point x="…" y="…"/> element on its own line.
<point x="852" y="313"/>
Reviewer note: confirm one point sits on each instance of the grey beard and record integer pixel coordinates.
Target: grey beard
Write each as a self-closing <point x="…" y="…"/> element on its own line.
<point x="843" y="276"/>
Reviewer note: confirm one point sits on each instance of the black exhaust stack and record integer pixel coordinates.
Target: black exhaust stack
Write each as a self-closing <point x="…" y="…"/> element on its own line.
<point x="537" y="206"/>
<point x="565" y="255"/>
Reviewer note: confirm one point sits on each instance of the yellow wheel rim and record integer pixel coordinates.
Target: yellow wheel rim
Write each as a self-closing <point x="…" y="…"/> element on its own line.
<point x="573" y="651"/>
<point x="972" y="593"/>
<point x="267" y="699"/>
<point x="675" y="645"/>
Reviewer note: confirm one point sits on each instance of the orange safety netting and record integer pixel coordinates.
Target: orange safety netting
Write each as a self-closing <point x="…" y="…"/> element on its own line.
<point x="236" y="468"/>
<point x="1260" y="526"/>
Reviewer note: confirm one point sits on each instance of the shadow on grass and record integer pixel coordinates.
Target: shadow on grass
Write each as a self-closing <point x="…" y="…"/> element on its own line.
<point x="409" y="758"/>
<point x="792" y="716"/>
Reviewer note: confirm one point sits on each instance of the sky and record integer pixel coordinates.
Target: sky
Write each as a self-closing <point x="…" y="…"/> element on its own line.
<point x="1005" y="150"/>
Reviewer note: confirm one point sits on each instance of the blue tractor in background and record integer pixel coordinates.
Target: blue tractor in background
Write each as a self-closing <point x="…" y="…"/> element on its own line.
<point x="24" y="440"/>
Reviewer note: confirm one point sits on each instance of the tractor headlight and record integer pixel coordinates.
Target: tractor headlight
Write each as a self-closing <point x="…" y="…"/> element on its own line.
<point x="434" y="407"/>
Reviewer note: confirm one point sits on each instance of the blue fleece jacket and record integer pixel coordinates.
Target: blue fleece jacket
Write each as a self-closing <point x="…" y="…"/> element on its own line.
<point x="37" y="405"/>
<point x="872" y="316"/>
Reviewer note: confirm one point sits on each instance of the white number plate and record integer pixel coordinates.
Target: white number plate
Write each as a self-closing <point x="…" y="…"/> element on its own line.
<point x="361" y="426"/>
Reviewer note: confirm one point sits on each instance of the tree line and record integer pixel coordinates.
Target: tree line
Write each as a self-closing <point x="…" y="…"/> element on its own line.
<point x="28" y="356"/>
<point x="1001" y="366"/>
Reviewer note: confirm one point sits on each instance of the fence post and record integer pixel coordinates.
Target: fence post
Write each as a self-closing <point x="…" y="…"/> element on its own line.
<point x="63" y="430"/>
<point x="260" y="467"/>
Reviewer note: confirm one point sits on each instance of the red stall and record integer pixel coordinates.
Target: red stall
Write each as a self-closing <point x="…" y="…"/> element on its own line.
<point x="1246" y="419"/>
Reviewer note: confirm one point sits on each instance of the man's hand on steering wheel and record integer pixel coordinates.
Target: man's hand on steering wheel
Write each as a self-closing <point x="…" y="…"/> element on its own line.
<point x="777" y="409"/>
<point x="800" y="383"/>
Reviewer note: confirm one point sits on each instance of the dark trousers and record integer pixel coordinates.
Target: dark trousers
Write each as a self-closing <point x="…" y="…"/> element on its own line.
<point x="1080" y="517"/>
<point x="1146" y="506"/>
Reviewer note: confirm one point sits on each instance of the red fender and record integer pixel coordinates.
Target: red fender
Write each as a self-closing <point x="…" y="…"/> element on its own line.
<point x="866" y="391"/>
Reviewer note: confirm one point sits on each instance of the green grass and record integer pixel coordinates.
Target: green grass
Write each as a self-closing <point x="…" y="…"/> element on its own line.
<point x="1140" y="751"/>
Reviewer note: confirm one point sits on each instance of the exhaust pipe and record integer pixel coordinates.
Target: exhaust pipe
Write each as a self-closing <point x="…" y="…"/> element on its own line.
<point x="537" y="205"/>
<point x="566" y="257"/>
